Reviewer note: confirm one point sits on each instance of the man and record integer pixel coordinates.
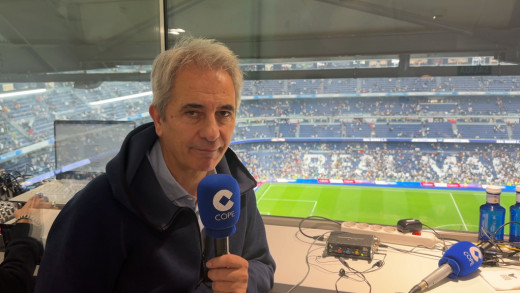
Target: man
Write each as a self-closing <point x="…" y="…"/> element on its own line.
<point x="136" y="228"/>
<point x="23" y="250"/>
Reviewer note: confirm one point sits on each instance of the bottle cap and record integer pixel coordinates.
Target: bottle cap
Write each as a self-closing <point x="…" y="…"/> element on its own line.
<point x="493" y="189"/>
<point x="493" y="194"/>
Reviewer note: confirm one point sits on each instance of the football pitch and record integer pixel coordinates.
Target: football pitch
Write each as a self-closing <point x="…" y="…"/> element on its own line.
<point x="437" y="208"/>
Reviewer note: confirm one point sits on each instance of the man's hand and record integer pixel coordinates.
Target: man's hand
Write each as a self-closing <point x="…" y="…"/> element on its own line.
<point x="229" y="273"/>
<point x="31" y="208"/>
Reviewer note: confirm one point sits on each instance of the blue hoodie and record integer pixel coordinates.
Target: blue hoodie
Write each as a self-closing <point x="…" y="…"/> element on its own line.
<point x="122" y="234"/>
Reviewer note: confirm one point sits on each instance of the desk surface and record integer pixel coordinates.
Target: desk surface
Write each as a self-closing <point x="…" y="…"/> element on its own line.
<point x="400" y="272"/>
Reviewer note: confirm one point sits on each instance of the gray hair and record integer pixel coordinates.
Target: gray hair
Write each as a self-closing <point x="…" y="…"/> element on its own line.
<point x="206" y="53"/>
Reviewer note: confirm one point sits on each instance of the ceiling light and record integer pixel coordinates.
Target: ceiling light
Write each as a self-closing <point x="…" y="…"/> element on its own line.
<point x="175" y="31"/>
<point x="122" y="98"/>
<point x="22" y="93"/>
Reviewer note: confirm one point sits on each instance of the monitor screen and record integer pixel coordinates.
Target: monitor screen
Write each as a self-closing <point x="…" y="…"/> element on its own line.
<point x="84" y="147"/>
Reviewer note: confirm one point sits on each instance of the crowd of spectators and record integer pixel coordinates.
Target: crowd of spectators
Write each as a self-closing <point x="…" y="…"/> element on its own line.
<point x="369" y="63"/>
<point x="27" y="120"/>
<point x="437" y="162"/>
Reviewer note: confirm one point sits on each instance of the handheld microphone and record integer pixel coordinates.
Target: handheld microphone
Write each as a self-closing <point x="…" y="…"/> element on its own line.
<point x="463" y="258"/>
<point x="218" y="198"/>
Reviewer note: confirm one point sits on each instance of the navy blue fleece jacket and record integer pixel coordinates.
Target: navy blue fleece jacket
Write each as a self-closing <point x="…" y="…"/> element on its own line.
<point x="122" y="234"/>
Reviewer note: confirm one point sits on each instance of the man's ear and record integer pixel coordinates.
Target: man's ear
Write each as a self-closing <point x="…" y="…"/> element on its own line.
<point x="156" y="117"/>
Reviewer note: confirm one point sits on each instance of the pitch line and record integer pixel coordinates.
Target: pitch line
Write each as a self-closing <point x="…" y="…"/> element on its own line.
<point x="458" y="211"/>
<point x="263" y="194"/>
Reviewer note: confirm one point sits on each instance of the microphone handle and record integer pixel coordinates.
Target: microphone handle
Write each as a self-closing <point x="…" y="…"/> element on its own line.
<point x="221" y="246"/>
<point x="439" y="274"/>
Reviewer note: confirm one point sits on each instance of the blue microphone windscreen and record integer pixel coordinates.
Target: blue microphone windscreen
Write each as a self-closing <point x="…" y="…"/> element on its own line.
<point x="218" y="199"/>
<point x="464" y="257"/>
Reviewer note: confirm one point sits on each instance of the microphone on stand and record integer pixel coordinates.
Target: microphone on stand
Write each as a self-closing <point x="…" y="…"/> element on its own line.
<point x="463" y="258"/>
<point x="218" y="199"/>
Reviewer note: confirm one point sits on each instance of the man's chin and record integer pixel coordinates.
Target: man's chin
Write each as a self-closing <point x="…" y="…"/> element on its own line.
<point x="207" y="165"/>
<point x="206" y="161"/>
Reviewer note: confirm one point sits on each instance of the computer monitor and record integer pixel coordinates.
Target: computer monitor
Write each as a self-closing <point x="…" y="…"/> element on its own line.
<point x="83" y="147"/>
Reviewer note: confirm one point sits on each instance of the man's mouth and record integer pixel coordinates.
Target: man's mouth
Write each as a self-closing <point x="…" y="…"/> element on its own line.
<point x="206" y="150"/>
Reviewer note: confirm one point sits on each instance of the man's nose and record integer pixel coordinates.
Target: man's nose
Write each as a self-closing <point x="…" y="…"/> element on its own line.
<point x="210" y="129"/>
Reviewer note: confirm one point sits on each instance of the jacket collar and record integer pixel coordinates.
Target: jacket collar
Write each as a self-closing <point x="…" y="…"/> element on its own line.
<point x="139" y="190"/>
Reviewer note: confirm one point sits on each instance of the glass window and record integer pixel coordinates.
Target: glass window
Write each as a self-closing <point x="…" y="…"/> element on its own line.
<point x="357" y="111"/>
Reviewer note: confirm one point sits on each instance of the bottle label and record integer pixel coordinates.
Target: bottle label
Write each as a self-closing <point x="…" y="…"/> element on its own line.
<point x="490" y="221"/>
<point x="514" y="226"/>
<point x="492" y="198"/>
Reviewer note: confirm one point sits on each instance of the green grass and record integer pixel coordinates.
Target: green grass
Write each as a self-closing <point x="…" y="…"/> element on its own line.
<point x="437" y="208"/>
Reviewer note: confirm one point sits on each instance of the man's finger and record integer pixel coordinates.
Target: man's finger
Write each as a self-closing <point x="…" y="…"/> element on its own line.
<point x="227" y="261"/>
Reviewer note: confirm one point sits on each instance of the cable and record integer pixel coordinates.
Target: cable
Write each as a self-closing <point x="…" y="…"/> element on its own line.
<point x="410" y="251"/>
<point x="307" y="263"/>
<point x="315" y="238"/>
<point x="360" y="274"/>
<point x="319" y="237"/>
<point x="502" y="227"/>
<point x="438" y="236"/>
<point x="9" y="185"/>
<point x="494" y="250"/>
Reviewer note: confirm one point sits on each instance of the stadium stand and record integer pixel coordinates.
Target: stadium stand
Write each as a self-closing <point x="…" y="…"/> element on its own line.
<point x="479" y="110"/>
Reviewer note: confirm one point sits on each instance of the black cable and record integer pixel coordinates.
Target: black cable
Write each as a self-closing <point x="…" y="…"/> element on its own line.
<point x="319" y="237"/>
<point x="502" y="227"/>
<point x="355" y="272"/>
<point x="490" y="251"/>
<point x="493" y="253"/>
<point x="410" y="251"/>
<point x="9" y="183"/>
<point x="315" y="239"/>
<point x="438" y="236"/>
<point x="341" y="275"/>
<point x="307" y="263"/>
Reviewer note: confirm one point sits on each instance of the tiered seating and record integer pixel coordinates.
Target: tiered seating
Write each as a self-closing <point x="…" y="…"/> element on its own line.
<point x="320" y="130"/>
<point x="398" y="130"/>
<point x="438" y="107"/>
<point x="288" y="130"/>
<point x="358" y="130"/>
<point x="516" y="132"/>
<point x="440" y="129"/>
<point x="482" y="131"/>
<point x="309" y="117"/>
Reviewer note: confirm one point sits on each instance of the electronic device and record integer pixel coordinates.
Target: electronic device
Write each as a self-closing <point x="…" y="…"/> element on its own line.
<point x="409" y="226"/>
<point x="7" y="209"/>
<point x="351" y="245"/>
<point x="82" y="149"/>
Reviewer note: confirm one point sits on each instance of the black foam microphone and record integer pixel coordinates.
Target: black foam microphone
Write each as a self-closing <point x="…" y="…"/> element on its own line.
<point x="463" y="258"/>
<point x="218" y="198"/>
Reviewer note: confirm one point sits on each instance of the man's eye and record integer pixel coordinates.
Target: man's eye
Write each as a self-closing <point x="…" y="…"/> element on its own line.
<point x="226" y="113"/>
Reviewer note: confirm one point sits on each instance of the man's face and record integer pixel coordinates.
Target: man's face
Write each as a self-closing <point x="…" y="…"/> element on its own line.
<point x="199" y="120"/>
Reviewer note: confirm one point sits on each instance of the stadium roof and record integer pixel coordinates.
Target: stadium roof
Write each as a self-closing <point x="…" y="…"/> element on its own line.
<point x="41" y="37"/>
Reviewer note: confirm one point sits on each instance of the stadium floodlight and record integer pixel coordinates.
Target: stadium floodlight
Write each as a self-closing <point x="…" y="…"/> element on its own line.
<point x="122" y="98"/>
<point x="22" y="93"/>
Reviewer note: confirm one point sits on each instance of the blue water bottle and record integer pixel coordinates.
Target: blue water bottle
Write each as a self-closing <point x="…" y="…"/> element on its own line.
<point x="514" y="212"/>
<point x="492" y="215"/>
